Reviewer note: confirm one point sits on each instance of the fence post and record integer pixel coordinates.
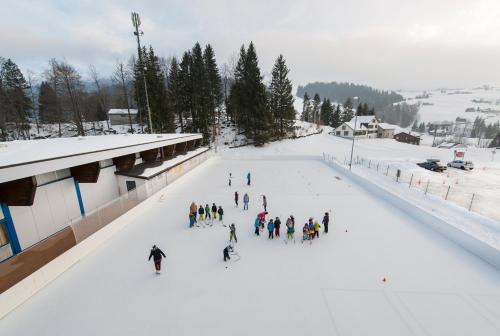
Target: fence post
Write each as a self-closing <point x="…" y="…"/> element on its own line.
<point x="378" y="164"/>
<point x="471" y="200"/>
<point x="411" y="180"/>
<point x="427" y="188"/>
<point x="446" y="197"/>
<point x="370" y="164"/>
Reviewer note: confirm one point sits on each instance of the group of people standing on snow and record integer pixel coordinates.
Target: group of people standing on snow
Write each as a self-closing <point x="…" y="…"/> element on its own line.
<point x="246" y="200"/>
<point x="204" y="213"/>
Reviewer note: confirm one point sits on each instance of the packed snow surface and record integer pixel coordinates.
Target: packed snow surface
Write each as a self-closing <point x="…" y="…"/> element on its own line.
<point x="334" y="286"/>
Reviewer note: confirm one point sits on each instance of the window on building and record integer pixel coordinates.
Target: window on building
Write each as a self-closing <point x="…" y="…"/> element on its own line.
<point x="346" y="133"/>
<point x="130" y="185"/>
<point x="337" y="133"/>
<point x="343" y="127"/>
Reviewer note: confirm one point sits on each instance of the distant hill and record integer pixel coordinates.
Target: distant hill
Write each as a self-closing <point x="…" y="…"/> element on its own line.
<point x="339" y="92"/>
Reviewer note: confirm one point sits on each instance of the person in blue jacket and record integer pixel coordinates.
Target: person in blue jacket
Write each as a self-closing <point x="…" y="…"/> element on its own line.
<point x="257" y="226"/>
<point x="248" y="179"/>
<point x="270" y="228"/>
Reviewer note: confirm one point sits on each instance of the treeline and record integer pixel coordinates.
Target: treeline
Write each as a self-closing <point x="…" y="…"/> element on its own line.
<point x="340" y="92"/>
<point x="190" y="94"/>
<point x="327" y="113"/>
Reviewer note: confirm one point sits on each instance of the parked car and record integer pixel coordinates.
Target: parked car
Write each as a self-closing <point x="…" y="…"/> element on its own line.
<point x="432" y="164"/>
<point x="461" y="164"/>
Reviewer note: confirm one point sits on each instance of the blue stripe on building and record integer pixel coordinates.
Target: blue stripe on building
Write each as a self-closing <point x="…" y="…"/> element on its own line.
<point x="79" y="196"/>
<point x="11" y="230"/>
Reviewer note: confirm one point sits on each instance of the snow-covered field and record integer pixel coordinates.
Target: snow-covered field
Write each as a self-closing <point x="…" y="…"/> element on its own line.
<point x="333" y="286"/>
<point x="448" y="105"/>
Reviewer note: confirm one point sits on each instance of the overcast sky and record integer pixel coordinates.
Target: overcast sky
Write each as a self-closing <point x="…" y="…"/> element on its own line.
<point x="390" y="44"/>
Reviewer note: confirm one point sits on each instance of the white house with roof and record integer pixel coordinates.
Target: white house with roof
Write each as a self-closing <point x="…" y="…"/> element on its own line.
<point x="365" y="127"/>
<point x="386" y="130"/>
<point x="121" y="116"/>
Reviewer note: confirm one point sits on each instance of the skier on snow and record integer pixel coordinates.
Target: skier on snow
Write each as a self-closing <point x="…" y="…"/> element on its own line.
<point x="201" y="212"/>
<point x="277" y="224"/>
<point x="220" y="212"/>
<point x="257" y="225"/>
<point x="230" y="175"/>
<point x="207" y="211"/>
<point x="262" y="217"/>
<point x="236" y="196"/>
<point x="316" y="229"/>
<point x="264" y="202"/>
<point x="157" y="254"/>
<point x="326" y="220"/>
<point x="248" y="179"/>
<point x="246" y="199"/>
<point x="193" y="208"/>
<point x="232" y="233"/>
<point x="270" y="228"/>
<point x="226" y="251"/>
<point x="191" y="220"/>
<point x="214" y="211"/>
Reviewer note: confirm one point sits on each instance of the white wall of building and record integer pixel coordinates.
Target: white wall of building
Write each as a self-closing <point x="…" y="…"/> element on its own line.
<point x="105" y="190"/>
<point x="54" y="207"/>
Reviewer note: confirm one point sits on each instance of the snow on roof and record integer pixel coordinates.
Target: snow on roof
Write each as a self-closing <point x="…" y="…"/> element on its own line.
<point x="122" y="111"/>
<point x="360" y="120"/>
<point x="386" y="126"/>
<point x="358" y="128"/>
<point x="23" y="158"/>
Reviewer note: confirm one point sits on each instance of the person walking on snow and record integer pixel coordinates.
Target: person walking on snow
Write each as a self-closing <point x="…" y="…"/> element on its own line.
<point x="193" y="208"/>
<point x="191" y="220"/>
<point x="257" y="226"/>
<point x="277" y="224"/>
<point x="270" y="228"/>
<point x="220" y="212"/>
<point x="201" y="212"/>
<point x="230" y="175"/>
<point x="214" y="211"/>
<point x="236" y="196"/>
<point x="326" y="220"/>
<point x="248" y="179"/>
<point x="316" y="229"/>
<point x="157" y="254"/>
<point x="232" y="233"/>
<point x="246" y="199"/>
<point x="264" y="202"/>
<point x="227" y="249"/>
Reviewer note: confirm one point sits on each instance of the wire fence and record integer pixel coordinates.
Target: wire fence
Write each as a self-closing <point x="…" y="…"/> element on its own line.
<point x="450" y="190"/>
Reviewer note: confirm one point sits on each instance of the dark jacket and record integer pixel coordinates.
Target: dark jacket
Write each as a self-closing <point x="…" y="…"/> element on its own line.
<point x="156" y="253"/>
<point x="220" y="211"/>
<point x="214" y="208"/>
<point x="277" y="224"/>
<point x="326" y="219"/>
<point x="201" y="211"/>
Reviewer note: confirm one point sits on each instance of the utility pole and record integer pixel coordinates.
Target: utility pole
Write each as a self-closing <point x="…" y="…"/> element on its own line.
<point x="136" y="21"/>
<point x="353" y="136"/>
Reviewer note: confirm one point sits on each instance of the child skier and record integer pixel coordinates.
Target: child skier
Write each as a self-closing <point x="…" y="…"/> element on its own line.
<point x="270" y="228"/>
<point x="311" y="229"/>
<point x="290" y="231"/>
<point x="201" y="212"/>
<point x="214" y="211"/>
<point x="232" y="233"/>
<point x="248" y="179"/>
<point x="207" y="211"/>
<point x="277" y="224"/>
<point x="316" y="229"/>
<point x="257" y="226"/>
<point x="326" y="220"/>
<point x="246" y="199"/>
<point x="230" y="175"/>
<point x="220" y="212"/>
<point x="226" y="251"/>
<point x="264" y="202"/>
<point x="157" y="254"/>
<point x="236" y="196"/>
<point x="305" y="232"/>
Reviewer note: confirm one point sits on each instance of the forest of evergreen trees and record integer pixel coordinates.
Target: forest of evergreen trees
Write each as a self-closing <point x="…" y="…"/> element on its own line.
<point x="189" y="94"/>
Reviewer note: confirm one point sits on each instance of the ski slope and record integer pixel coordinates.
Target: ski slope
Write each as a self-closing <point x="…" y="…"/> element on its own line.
<point x="333" y="286"/>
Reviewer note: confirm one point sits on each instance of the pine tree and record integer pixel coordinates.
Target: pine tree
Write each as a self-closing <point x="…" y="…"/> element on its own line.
<point x="306" y="108"/>
<point x="14" y="97"/>
<point x="316" y="104"/>
<point x="213" y="89"/>
<point x="199" y="108"/>
<point x="347" y="113"/>
<point x="326" y="112"/>
<point x="185" y="90"/>
<point x="49" y="112"/>
<point x="336" y="117"/>
<point x="237" y="99"/>
<point x="281" y="98"/>
<point x="174" y="91"/>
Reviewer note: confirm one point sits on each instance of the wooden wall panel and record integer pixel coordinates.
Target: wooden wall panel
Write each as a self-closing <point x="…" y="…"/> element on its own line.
<point x="149" y="155"/>
<point x="18" y="192"/>
<point x="125" y="162"/>
<point x="87" y="173"/>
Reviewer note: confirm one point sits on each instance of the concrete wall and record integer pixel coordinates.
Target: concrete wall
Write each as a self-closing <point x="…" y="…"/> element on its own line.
<point x="481" y="249"/>
<point x="181" y="169"/>
<point x="55" y="206"/>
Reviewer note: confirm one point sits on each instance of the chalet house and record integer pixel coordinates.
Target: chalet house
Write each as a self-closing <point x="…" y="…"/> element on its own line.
<point x="386" y="130"/>
<point x="407" y="138"/>
<point x="366" y="127"/>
